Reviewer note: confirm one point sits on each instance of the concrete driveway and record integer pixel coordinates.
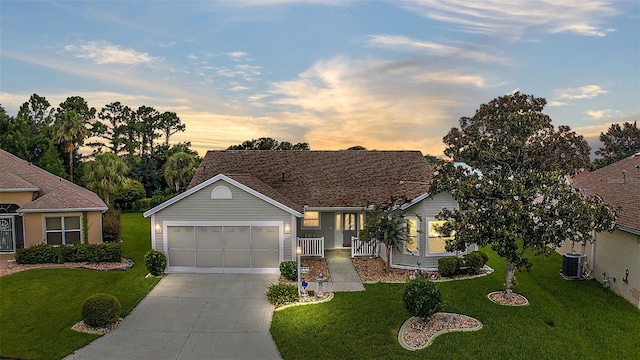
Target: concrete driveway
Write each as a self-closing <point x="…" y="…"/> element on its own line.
<point x="194" y="316"/>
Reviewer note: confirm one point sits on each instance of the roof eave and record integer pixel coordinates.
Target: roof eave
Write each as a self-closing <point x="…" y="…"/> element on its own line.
<point x="414" y="201"/>
<point x="629" y="229"/>
<point x="14" y="190"/>
<point x="101" y="209"/>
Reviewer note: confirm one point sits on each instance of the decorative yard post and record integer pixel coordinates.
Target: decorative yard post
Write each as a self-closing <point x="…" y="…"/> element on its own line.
<point x="320" y="292"/>
<point x="298" y="252"/>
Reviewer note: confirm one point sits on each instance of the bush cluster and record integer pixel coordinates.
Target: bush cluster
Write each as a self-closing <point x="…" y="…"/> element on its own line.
<point x="282" y="293"/>
<point x="155" y="261"/>
<point x="422" y="298"/>
<point x="449" y="265"/>
<point x="100" y="310"/>
<point x="289" y="269"/>
<point x="95" y="253"/>
<point x="470" y="263"/>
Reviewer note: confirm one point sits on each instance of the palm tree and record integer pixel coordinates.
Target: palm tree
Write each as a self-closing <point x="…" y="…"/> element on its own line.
<point x="105" y="174"/>
<point x="71" y="131"/>
<point x="179" y="169"/>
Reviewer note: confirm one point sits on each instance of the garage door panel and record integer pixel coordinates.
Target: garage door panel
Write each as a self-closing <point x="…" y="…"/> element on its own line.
<point x="265" y="237"/>
<point x="209" y="258"/>
<point x="180" y="237"/>
<point x="265" y="259"/>
<point x="182" y="257"/>
<point x="209" y="237"/>
<point x="237" y="258"/>
<point x="237" y="237"/>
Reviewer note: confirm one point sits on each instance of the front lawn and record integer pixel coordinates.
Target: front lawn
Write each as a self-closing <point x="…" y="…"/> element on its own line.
<point x="39" y="307"/>
<point x="565" y="320"/>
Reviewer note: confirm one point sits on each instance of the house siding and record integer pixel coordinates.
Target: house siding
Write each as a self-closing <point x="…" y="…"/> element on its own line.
<point x="241" y="207"/>
<point x="425" y="210"/>
<point x="18" y="198"/>
<point x="327" y="229"/>
<point x="613" y="253"/>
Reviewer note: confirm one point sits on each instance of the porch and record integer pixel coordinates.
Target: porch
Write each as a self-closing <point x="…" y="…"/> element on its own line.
<point x="316" y="247"/>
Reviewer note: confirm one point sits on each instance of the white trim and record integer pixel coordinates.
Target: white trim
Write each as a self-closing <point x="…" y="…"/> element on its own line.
<point x="414" y="201"/>
<point x="168" y="223"/>
<point x="101" y="209"/>
<point x="336" y="209"/>
<point x="12" y="190"/>
<point x="153" y="232"/>
<point x="229" y="181"/>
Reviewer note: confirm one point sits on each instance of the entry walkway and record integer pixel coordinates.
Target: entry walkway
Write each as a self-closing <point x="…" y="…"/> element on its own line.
<point x="343" y="275"/>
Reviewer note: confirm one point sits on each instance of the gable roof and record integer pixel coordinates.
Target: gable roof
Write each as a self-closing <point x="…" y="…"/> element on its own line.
<point x="608" y="182"/>
<point x="255" y="187"/>
<point x="52" y="193"/>
<point x="317" y="179"/>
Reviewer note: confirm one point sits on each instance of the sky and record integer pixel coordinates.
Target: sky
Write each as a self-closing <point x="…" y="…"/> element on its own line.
<point x="386" y="75"/>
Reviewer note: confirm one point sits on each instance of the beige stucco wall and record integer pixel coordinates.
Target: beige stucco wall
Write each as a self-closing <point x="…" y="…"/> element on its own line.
<point x="18" y="198"/>
<point x="614" y="253"/>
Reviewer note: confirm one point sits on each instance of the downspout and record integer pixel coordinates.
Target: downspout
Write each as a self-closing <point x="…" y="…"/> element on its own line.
<point x="593" y="250"/>
<point x="153" y="231"/>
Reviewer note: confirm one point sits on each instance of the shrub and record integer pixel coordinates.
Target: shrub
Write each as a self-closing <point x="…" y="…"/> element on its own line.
<point x="155" y="261"/>
<point x="111" y="226"/>
<point x="128" y="195"/>
<point x="422" y="298"/>
<point x="289" y="269"/>
<point x="473" y="261"/>
<point x="282" y="293"/>
<point x="43" y="253"/>
<point x="38" y="254"/>
<point x="100" y="310"/>
<point x="449" y="265"/>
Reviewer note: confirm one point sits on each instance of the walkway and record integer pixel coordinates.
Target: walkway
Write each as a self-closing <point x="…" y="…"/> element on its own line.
<point x="343" y="275"/>
<point x="194" y="316"/>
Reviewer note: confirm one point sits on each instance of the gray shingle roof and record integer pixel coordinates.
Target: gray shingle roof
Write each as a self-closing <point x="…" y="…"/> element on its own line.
<point x="346" y="178"/>
<point x="52" y="192"/>
<point x="608" y="183"/>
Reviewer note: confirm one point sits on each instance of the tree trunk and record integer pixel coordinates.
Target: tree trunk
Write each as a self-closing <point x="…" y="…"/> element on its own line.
<point x="387" y="267"/>
<point x="509" y="280"/>
<point x="70" y="151"/>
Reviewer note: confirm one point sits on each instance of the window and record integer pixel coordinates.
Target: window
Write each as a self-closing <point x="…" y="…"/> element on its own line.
<point x="437" y="241"/>
<point x="338" y="222"/>
<point x="62" y="230"/>
<point x="411" y="245"/>
<point x="349" y="222"/>
<point x="311" y="219"/>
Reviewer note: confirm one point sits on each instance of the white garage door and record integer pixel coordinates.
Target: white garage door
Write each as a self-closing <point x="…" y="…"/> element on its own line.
<point x="223" y="248"/>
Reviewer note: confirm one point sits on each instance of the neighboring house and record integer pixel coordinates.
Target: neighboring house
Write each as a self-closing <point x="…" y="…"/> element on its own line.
<point x="38" y="207"/>
<point x="246" y="211"/>
<point x="615" y="253"/>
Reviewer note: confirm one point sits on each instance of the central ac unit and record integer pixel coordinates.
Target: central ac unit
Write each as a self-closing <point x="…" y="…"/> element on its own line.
<point x="572" y="264"/>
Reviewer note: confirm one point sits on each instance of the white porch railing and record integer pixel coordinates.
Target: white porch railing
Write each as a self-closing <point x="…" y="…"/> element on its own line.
<point x="311" y="246"/>
<point x="361" y="248"/>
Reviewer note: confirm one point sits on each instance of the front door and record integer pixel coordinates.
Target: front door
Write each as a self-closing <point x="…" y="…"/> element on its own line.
<point x="349" y="227"/>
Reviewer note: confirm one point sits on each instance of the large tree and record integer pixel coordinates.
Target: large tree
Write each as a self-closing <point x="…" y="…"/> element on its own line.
<point x="106" y="174"/>
<point x="170" y="124"/>
<point x="71" y="130"/>
<point x="179" y="169"/>
<point x="619" y="142"/>
<point x="515" y="196"/>
<point x="112" y="127"/>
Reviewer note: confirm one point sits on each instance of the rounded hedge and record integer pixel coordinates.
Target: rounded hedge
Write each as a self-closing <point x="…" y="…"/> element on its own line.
<point x="473" y="261"/>
<point x="449" y="265"/>
<point x="422" y="298"/>
<point x="289" y="269"/>
<point x="155" y="261"/>
<point x="100" y="310"/>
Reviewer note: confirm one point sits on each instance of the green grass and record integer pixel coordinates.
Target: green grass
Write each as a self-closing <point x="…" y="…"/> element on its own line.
<point x="39" y="307"/>
<point x="588" y="322"/>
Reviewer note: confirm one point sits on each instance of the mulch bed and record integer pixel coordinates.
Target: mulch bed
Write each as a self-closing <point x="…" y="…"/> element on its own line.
<point x="501" y="298"/>
<point x="124" y="264"/>
<point x="417" y="333"/>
